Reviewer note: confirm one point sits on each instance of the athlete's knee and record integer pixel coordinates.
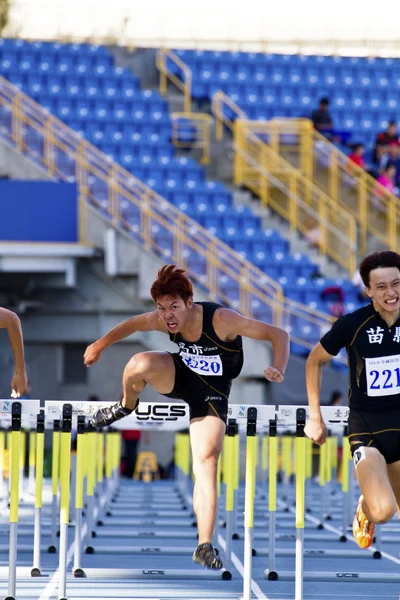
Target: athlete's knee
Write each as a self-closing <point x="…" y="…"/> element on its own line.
<point x="138" y="365"/>
<point x="205" y="464"/>
<point x="381" y="509"/>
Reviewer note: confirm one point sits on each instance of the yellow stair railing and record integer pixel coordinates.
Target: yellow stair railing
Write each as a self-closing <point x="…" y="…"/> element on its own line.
<point x="307" y="208"/>
<point x="376" y="210"/>
<point x="192" y="130"/>
<point x="125" y="193"/>
<point x="163" y="60"/>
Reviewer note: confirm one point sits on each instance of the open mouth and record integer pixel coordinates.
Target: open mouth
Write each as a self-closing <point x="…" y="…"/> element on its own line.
<point x="392" y="302"/>
<point x="173" y="325"/>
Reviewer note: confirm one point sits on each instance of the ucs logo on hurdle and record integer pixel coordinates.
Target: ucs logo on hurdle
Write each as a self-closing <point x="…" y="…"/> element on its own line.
<point x="160" y="412"/>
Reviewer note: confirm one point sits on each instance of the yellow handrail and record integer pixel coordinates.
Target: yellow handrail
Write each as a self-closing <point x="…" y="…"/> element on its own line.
<point x="221" y="101"/>
<point x="126" y="194"/>
<point x="195" y="127"/>
<point x="376" y="210"/>
<point x="185" y="85"/>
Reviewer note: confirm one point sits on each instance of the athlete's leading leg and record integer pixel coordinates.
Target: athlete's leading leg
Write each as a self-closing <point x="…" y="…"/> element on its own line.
<point x="154" y="368"/>
<point x="206" y="436"/>
<point x="377" y="503"/>
<point x="394" y="478"/>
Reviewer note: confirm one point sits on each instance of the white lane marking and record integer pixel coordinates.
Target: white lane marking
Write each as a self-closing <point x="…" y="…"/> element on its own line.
<point x="339" y="532"/>
<point x="53" y="583"/>
<point x="239" y="566"/>
<point x="236" y="561"/>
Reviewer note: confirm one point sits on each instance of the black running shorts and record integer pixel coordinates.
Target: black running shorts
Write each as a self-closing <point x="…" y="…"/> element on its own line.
<point x="204" y="397"/>
<point x="376" y="430"/>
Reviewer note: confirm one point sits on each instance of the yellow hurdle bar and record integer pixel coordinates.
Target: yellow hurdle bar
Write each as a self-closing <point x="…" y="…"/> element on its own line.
<point x="15" y="439"/>
<point x="39" y="439"/>
<point x="273" y="468"/>
<point x="65" y="470"/>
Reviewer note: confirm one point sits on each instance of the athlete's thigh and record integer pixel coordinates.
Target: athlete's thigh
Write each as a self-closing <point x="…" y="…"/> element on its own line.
<point x="206" y="437"/>
<point x="394" y="478"/>
<point x="372" y="475"/>
<point x="157" y="369"/>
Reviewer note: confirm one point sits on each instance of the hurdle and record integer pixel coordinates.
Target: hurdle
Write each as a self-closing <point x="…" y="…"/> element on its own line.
<point x="298" y="417"/>
<point x="131" y="422"/>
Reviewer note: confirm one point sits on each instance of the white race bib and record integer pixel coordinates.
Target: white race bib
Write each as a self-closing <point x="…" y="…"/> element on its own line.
<point x="383" y="375"/>
<point x="203" y="365"/>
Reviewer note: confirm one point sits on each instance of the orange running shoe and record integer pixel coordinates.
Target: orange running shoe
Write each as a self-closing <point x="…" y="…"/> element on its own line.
<point x="363" y="530"/>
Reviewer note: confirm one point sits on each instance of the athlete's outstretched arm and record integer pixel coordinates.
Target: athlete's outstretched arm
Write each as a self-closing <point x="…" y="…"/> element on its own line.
<point x="232" y="323"/>
<point x="10" y="321"/>
<point x="315" y="428"/>
<point x="145" y="322"/>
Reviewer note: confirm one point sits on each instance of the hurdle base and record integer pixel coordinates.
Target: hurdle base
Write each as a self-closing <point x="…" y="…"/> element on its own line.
<point x="376" y="555"/>
<point x="343" y="576"/>
<point x="89" y="550"/>
<point x="35" y="572"/>
<point x="79" y="573"/>
<point x="93" y="573"/>
<point x="52" y="550"/>
<point x="271" y="575"/>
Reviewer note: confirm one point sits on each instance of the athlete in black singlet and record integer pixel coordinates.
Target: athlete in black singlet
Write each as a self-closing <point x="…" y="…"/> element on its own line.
<point x="210" y="356"/>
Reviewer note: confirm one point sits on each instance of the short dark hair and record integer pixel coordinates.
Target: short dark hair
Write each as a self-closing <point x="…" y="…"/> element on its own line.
<point x="391" y="122"/>
<point x="378" y="260"/>
<point x="172" y="281"/>
<point x="324" y="101"/>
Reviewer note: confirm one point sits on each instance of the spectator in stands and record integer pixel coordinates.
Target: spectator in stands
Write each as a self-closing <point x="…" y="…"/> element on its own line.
<point x="359" y="284"/>
<point x="334" y="296"/>
<point x="321" y="117"/>
<point x="383" y="140"/>
<point x="392" y="157"/>
<point x="336" y="399"/>
<point x="387" y="180"/>
<point x="357" y="155"/>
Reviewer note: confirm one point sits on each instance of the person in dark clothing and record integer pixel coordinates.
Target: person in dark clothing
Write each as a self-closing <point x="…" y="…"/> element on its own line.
<point x="383" y="140"/>
<point x="210" y="356"/>
<point x="321" y="117"/>
<point x="371" y="336"/>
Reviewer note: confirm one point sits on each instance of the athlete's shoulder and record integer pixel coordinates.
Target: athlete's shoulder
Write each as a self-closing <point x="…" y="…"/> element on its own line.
<point x="360" y="315"/>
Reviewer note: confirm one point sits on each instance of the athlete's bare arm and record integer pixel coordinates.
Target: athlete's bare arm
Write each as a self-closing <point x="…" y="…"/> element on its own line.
<point x="10" y="321"/>
<point x="146" y="322"/>
<point x="315" y="428"/>
<point x="228" y="324"/>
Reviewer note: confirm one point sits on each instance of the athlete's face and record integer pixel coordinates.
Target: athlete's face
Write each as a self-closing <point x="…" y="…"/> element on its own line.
<point x="173" y="311"/>
<point x="384" y="288"/>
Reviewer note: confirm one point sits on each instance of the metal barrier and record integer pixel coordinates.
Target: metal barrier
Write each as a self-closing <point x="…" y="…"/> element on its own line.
<point x="170" y="67"/>
<point x="226" y="112"/>
<point x="192" y="130"/>
<point x="289" y="193"/>
<point x="376" y="210"/>
<point x="119" y="196"/>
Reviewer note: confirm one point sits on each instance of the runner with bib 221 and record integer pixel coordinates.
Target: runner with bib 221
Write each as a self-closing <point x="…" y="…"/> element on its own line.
<point x="371" y="336"/>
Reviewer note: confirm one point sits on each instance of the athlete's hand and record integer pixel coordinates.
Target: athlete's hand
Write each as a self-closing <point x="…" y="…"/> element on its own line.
<point x="92" y="354"/>
<point x="19" y="383"/>
<point x="273" y="374"/>
<point x="315" y="429"/>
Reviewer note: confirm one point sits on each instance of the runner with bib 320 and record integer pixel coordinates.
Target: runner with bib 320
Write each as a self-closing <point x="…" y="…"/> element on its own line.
<point x="371" y="336"/>
<point x="210" y="356"/>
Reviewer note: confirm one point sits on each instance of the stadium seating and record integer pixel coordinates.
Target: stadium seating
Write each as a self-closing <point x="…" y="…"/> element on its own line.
<point x="364" y="92"/>
<point x="81" y="85"/>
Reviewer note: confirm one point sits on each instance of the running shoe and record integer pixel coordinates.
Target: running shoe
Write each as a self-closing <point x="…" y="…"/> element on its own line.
<point x="205" y="555"/>
<point x="363" y="530"/>
<point x="104" y="417"/>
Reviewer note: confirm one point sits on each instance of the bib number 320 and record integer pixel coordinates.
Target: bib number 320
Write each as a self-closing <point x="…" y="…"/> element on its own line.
<point x="383" y="375"/>
<point x="203" y="365"/>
